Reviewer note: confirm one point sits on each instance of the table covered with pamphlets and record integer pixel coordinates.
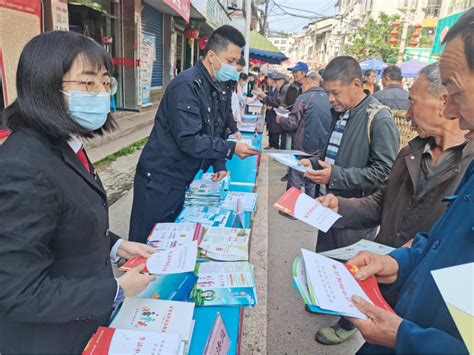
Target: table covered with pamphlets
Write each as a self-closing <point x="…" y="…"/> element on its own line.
<point x="204" y="278"/>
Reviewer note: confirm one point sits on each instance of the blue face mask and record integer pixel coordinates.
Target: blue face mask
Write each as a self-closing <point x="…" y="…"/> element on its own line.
<point x="226" y="72"/>
<point x="90" y="111"/>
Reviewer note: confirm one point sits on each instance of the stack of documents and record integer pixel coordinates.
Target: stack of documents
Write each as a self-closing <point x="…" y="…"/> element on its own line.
<point x="327" y="286"/>
<point x="225" y="284"/>
<point x="121" y="341"/>
<point x="149" y="315"/>
<point x="206" y="216"/>
<point x="226" y="244"/>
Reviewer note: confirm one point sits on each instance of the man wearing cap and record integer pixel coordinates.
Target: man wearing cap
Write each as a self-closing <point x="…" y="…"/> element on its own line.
<point x="276" y="139"/>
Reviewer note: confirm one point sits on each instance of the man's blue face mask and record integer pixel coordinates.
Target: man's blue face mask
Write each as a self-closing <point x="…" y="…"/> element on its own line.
<point x="226" y="72"/>
<point x="89" y="111"/>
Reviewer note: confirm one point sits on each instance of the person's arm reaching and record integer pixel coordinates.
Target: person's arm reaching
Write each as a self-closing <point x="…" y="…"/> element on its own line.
<point x="294" y="118"/>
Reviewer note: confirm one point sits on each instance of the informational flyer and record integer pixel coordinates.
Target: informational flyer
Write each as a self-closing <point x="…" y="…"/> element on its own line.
<point x="226" y="244"/>
<point x="347" y="253"/>
<point x="121" y="341"/>
<point x="170" y="235"/>
<point x="174" y="260"/>
<point x="288" y="160"/>
<point x="169" y="261"/>
<point x="155" y="316"/>
<point x="331" y="285"/>
<point x="248" y="200"/>
<point x="224" y="284"/>
<point x="306" y="209"/>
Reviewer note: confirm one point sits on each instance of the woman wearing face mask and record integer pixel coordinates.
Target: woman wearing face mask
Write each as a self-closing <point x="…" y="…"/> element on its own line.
<point x="55" y="243"/>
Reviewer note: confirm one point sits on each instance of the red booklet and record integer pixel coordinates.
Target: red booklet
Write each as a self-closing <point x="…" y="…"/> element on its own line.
<point x="371" y="289"/>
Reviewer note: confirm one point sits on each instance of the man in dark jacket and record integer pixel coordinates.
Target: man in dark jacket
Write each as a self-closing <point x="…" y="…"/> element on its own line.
<point x="359" y="154"/>
<point x="393" y="95"/>
<point x="275" y="99"/>
<point x="309" y="122"/>
<point x="186" y="135"/>
<point x="425" y="171"/>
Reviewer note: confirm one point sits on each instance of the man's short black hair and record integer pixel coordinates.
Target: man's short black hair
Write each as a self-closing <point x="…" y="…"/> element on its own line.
<point x="40" y="104"/>
<point x="464" y="27"/>
<point x="220" y="39"/>
<point x="392" y="72"/>
<point x="243" y="76"/>
<point x="241" y="62"/>
<point x="343" y="68"/>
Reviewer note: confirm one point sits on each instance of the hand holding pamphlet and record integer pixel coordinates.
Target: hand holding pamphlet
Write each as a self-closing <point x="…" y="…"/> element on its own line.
<point x="306" y="209"/>
<point x="330" y="285"/>
<point x="169" y="261"/>
<point x="290" y="161"/>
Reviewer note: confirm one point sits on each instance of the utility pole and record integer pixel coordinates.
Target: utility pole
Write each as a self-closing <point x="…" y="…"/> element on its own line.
<point x="248" y="19"/>
<point x="265" y="17"/>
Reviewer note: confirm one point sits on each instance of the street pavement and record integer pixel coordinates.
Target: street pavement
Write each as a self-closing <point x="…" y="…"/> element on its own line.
<point x="279" y="324"/>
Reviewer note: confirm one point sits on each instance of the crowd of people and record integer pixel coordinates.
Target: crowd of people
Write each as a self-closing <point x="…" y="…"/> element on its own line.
<point x="55" y="244"/>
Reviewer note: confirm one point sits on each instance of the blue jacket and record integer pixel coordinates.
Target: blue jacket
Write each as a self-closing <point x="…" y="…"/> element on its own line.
<point x="188" y="130"/>
<point x="428" y="326"/>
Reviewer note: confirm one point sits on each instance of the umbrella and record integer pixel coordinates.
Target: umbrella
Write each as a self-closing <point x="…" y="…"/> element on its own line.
<point x="374" y="64"/>
<point x="262" y="50"/>
<point x="411" y="68"/>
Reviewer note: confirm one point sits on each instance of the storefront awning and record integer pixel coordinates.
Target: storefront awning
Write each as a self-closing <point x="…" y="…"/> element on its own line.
<point x="263" y="50"/>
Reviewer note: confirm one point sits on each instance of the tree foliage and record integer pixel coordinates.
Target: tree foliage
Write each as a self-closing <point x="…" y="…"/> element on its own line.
<point x="371" y="39"/>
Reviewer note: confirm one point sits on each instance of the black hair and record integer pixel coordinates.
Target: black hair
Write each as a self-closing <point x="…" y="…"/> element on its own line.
<point x="392" y="72"/>
<point x="369" y="71"/>
<point x="40" y="104"/>
<point x="221" y="37"/>
<point x="255" y="69"/>
<point x="243" y="76"/>
<point x="343" y="68"/>
<point x="464" y="27"/>
<point x="241" y="62"/>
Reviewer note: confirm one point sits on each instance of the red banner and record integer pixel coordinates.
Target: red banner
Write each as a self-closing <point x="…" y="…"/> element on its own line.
<point x="182" y="7"/>
<point x="28" y="6"/>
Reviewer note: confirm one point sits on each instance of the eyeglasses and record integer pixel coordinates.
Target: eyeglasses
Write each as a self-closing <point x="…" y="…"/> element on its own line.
<point x="94" y="87"/>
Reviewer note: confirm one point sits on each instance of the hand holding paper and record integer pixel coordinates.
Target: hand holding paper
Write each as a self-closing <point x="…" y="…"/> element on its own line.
<point x="306" y="209"/>
<point x="381" y="327"/>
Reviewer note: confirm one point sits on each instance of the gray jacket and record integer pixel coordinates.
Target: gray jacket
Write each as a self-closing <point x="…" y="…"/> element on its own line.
<point x="310" y="120"/>
<point x="393" y="96"/>
<point x="361" y="166"/>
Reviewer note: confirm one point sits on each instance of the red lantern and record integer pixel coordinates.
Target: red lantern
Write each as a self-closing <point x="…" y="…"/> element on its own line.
<point x="396" y="24"/>
<point x="394" y="33"/>
<point x="392" y="41"/>
<point x="413" y="44"/>
<point x="415" y="35"/>
<point x="417" y="26"/>
<point x="191" y="33"/>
